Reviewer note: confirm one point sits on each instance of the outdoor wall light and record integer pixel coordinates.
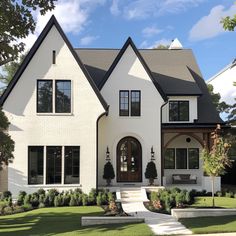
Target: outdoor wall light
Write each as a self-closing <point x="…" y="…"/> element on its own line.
<point x="152" y="154"/>
<point x="107" y="154"/>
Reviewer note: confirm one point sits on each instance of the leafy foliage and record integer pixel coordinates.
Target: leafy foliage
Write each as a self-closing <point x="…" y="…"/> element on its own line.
<point x="216" y="160"/>
<point x="16" y="23"/>
<point x="229" y="23"/>
<point x="6" y="143"/>
<point x="215" y="97"/>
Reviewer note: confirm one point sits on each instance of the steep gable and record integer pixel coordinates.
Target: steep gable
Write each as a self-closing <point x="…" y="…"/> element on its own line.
<point x="130" y="43"/>
<point x="52" y="22"/>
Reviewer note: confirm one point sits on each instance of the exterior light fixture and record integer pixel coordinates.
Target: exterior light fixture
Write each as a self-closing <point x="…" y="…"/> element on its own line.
<point x="107" y="154"/>
<point x="152" y="154"/>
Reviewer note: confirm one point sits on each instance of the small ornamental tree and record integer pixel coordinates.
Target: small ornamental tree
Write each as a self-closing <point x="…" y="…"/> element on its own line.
<point x="151" y="172"/>
<point x="216" y="159"/>
<point x="108" y="173"/>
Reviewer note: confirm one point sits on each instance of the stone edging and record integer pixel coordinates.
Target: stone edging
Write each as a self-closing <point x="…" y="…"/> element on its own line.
<point x="102" y="220"/>
<point x="192" y="212"/>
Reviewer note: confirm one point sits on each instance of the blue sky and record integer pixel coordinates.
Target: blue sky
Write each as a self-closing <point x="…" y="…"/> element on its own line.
<point x="108" y="23"/>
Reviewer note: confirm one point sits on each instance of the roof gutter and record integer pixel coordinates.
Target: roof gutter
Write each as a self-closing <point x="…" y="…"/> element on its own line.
<point x="162" y="166"/>
<point x="104" y="113"/>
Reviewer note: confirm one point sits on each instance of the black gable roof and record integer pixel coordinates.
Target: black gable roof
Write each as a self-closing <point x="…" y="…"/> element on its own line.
<point x="52" y="22"/>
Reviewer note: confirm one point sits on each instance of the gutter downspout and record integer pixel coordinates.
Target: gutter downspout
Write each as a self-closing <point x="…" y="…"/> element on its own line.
<point x="162" y="167"/>
<point x="104" y="113"/>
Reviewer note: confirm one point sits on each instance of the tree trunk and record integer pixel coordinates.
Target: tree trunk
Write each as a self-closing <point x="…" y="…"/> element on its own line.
<point x="213" y="190"/>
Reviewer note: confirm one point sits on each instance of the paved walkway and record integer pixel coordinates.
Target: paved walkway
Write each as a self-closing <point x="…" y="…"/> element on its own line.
<point x="160" y="224"/>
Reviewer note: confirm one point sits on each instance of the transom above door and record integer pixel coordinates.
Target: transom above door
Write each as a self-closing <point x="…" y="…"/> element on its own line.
<point x="129" y="160"/>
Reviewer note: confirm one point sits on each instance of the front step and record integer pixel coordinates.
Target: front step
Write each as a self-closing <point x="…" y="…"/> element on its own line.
<point x="131" y="195"/>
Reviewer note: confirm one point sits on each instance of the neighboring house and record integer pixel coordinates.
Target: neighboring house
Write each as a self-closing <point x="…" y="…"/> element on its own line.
<point x="223" y="83"/>
<point x="69" y="107"/>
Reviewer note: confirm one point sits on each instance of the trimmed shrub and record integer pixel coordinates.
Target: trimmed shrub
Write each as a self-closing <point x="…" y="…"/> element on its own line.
<point x="219" y="194"/>
<point x="229" y="194"/>
<point x="92" y="197"/>
<point x="41" y="205"/>
<point x="66" y="199"/>
<point x="84" y="199"/>
<point x="151" y="172"/>
<point x="27" y="207"/>
<point x="58" y="201"/>
<point x="110" y="197"/>
<point x="73" y="200"/>
<point x="18" y="209"/>
<point x="27" y="199"/>
<point x="41" y="192"/>
<point x="6" y="194"/>
<point x="8" y="210"/>
<point x="20" y="199"/>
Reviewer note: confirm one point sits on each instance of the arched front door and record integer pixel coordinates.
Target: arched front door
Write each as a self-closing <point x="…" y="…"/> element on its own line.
<point x="129" y="160"/>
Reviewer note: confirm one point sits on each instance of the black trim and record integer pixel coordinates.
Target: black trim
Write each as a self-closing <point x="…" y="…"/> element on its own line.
<point x="139" y="102"/>
<point x="51" y="22"/>
<point x="37" y="97"/>
<point x="178" y="113"/>
<point x="117" y="59"/>
<point x="184" y="94"/>
<point x="120" y="102"/>
<point x="55" y="86"/>
<point x="193" y="125"/>
<point x="53" y="57"/>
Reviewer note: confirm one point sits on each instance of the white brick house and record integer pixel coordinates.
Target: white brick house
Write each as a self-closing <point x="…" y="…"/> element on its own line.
<point x="68" y="107"/>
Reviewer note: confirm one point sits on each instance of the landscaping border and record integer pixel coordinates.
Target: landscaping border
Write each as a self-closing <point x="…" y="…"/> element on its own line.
<point x="203" y="212"/>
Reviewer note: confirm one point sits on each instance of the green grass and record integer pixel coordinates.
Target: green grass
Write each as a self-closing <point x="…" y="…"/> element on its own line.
<point x="218" y="224"/>
<point x="224" y="202"/>
<point x="64" y="221"/>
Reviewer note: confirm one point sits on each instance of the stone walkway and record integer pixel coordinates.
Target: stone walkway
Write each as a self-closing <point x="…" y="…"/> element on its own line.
<point x="160" y="224"/>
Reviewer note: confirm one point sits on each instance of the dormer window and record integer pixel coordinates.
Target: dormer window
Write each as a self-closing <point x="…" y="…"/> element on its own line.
<point x="178" y="110"/>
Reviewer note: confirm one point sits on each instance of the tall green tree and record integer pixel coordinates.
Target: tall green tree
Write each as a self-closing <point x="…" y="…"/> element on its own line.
<point x="6" y="143"/>
<point x="215" y="97"/>
<point x="229" y="23"/>
<point x="16" y="23"/>
<point x="216" y="159"/>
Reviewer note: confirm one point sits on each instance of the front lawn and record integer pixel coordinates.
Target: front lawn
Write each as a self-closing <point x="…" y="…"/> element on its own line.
<point x="64" y="221"/>
<point x="218" y="224"/>
<point x="224" y="202"/>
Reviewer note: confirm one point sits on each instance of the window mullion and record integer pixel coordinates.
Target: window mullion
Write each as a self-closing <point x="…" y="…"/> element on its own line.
<point x="44" y="164"/>
<point x="54" y="96"/>
<point x="63" y="165"/>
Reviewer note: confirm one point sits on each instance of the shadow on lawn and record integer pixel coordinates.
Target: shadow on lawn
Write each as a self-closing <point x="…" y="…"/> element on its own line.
<point x="52" y="223"/>
<point x="203" y="222"/>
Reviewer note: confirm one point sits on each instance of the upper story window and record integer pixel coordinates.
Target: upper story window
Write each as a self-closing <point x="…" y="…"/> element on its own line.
<point x="130" y="99"/>
<point x="135" y="103"/>
<point x="178" y="110"/>
<point x="63" y="96"/>
<point x="124" y="103"/>
<point x="54" y="96"/>
<point x="44" y="96"/>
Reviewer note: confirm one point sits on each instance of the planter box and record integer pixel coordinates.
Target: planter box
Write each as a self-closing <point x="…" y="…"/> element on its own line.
<point x="191" y="213"/>
<point x="103" y="220"/>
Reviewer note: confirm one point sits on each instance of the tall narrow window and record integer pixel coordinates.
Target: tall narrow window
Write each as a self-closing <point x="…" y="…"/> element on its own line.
<point x="72" y="156"/>
<point x="181" y="158"/>
<point x="179" y="111"/>
<point x="169" y="158"/>
<point x="44" y="96"/>
<point x="135" y="103"/>
<point x="124" y="103"/>
<point x="54" y="165"/>
<point x="193" y="158"/>
<point x="63" y="96"/>
<point x="35" y="165"/>
<point x="53" y="57"/>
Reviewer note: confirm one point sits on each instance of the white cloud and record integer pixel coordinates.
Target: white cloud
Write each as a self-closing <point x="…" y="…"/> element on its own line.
<point x="114" y="9"/>
<point x="87" y="40"/>
<point x="209" y="26"/>
<point x="147" y="45"/>
<point x="72" y="15"/>
<point x="141" y="9"/>
<point x="151" y="31"/>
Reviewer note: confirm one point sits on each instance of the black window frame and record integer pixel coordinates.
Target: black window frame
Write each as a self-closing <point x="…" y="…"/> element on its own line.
<point x="172" y="149"/>
<point x="37" y="91"/>
<point x="120" y="114"/>
<point x="178" y="112"/>
<point x="131" y="108"/>
<point x="55" y="100"/>
<point x="29" y="165"/>
<point x="197" y="160"/>
<point x="72" y="166"/>
<point x="54" y="167"/>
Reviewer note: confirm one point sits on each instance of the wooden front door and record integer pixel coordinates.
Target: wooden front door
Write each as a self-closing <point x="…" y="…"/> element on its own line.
<point x="129" y="160"/>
